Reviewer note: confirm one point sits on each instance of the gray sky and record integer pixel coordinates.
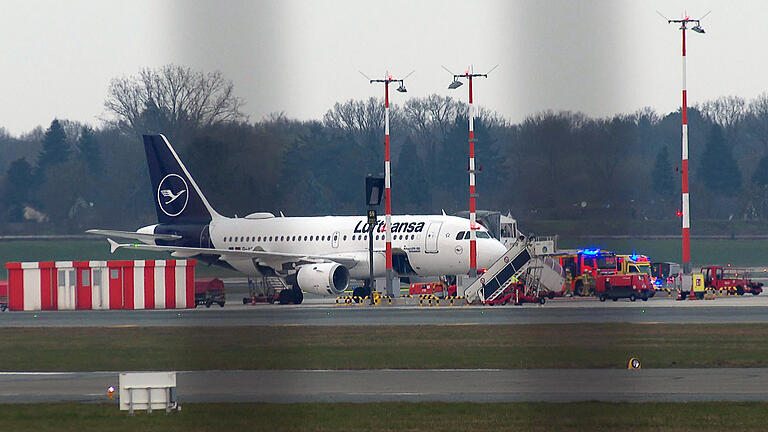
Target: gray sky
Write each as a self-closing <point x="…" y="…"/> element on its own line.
<point x="598" y="57"/>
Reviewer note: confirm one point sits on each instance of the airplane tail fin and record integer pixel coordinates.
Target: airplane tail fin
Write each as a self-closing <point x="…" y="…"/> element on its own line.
<point x="177" y="197"/>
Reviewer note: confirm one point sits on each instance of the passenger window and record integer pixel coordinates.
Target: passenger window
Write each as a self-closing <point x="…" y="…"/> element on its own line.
<point x="282" y="238"/>
<point x="345" y="238"/>
<point x="270" y="238"/>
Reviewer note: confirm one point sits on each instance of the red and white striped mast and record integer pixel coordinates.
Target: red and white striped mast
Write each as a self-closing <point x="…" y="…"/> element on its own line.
<point x="387" y="179"/>
<point x="472" y="170"/>
<point x="686" y="222"/>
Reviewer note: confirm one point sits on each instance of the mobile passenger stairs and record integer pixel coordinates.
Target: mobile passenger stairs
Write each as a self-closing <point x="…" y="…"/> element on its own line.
<point x="518" y="276"/>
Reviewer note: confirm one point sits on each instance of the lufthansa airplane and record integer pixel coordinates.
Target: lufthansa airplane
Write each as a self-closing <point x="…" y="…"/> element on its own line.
<point x="318" y="255"/>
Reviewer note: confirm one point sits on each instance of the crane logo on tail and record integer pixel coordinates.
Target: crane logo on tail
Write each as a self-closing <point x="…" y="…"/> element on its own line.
<point x="172" y="195"/>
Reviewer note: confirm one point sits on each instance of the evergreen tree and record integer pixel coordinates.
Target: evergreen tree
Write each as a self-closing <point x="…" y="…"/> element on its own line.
<point x="663" y="179"/>
<point x="718" y="169"/>
<point x="55" y="147"/>
<point x="760" y="177"/>
<point x="411" y="187"/>
<point x="88" y="150"/>
<point x="19" y="183"/>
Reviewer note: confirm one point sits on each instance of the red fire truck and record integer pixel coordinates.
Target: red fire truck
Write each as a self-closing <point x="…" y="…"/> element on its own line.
<point x="734" y="281"/>
<point x="632" y="286"/>
<point x="584" y="266"/>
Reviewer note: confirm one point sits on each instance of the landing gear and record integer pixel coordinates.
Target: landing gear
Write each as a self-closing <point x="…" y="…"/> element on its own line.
<point x="290" y="296"/>
<point x="361" y="292"/>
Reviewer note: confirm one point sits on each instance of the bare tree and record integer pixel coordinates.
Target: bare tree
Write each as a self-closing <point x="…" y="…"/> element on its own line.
<point x="758" y="112"/>
<point x="172" y="97"/>
<point x="726" y="111"/>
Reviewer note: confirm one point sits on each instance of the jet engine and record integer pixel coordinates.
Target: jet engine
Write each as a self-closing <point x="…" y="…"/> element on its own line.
<point x="323" y="279"/>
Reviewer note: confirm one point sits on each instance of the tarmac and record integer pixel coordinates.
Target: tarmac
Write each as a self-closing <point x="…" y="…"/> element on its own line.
<point x="460" y="385"/>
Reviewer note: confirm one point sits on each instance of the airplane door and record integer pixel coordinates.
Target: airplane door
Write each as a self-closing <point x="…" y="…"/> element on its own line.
<point x="432" y="235"/>
<point x="335" y="242"/>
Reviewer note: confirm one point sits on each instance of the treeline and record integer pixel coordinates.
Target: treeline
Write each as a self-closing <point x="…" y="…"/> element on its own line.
<point x="68" y="176"/>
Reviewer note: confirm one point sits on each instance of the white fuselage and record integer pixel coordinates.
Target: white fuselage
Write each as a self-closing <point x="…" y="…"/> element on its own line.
<point x="429" y="242"/>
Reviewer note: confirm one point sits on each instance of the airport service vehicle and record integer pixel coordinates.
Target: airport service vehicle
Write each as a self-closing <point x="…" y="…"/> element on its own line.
<point x="519" y="271"/>
<point x="440" y="289"/>
<point x="632" y="286"/>
<point x="209" y="291"/>
<point x="730" y="279"/>
<point x="664" y="274"/>
<point x="291" y="255"/>
<point x="583" y="266"/>
<point x="522" y="294"/>
<point x="631" y="264"/>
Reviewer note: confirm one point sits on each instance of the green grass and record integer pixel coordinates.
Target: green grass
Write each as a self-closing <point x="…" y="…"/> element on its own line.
<point x="374" y="347"/>
<point x="435" y="417"/>
<point x="739" y="253"/>
<point x="85" y="250"/>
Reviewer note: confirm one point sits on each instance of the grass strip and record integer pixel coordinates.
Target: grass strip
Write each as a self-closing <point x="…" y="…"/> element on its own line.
<point x="520" y="417"/>
<point x="377" y="347"/>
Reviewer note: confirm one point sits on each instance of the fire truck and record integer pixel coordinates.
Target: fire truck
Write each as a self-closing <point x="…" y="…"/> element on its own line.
<point x="733" y="280"/>
<point x="632" y="286"/>
<point x="635" y="264"/>
<point x="583" y="266"/>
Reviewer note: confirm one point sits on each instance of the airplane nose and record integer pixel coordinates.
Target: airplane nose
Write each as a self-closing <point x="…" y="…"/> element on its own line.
<point x="489" y="252"/>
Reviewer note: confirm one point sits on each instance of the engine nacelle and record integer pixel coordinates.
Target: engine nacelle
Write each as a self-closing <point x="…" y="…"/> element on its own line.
<point x="323" y="279"/>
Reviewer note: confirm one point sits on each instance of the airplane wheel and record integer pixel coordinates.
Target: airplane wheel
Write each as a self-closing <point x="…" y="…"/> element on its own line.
<point x="361" y="292"/>
<point x="298" y="296"/>
<point x="285" y="296"/>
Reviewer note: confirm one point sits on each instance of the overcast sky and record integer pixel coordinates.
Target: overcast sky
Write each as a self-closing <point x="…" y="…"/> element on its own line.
<point x="300" y="57"/>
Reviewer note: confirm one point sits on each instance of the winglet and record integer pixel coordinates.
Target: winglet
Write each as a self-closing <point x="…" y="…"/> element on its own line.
<point x="113" y="245"/>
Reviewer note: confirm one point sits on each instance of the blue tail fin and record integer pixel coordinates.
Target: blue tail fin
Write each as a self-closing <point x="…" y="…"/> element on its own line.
<point x="178" y="199"/>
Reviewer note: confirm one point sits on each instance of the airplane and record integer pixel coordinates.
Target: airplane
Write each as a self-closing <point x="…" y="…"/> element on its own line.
<point x="318" y="255"/>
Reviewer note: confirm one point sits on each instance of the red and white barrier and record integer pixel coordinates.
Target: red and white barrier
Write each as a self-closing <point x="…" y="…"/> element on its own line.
<point x="70" y="285"/>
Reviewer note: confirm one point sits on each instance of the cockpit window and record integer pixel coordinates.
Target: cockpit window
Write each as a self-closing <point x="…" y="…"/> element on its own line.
<point x="482" y="234"/>
<point x="460" y="235"/>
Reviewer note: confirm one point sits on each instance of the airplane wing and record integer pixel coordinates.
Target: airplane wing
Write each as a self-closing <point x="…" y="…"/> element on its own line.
<point x="271" y="259"/>
<point x="145" y="237"/>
